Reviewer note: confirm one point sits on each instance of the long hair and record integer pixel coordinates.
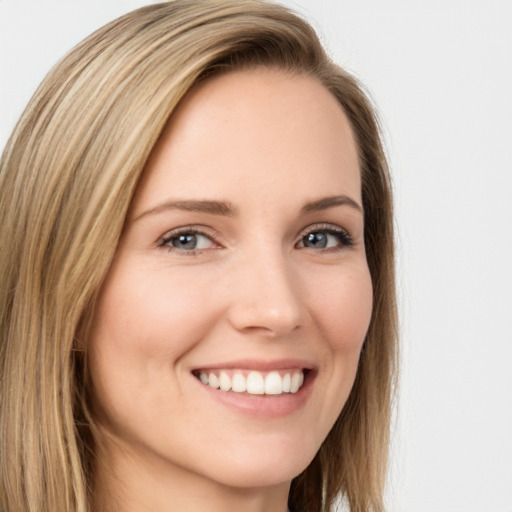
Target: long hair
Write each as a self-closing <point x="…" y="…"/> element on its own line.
<point x="67" y="177"/>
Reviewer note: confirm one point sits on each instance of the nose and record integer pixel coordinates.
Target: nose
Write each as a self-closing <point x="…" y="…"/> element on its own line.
<point x="265" y="297"/>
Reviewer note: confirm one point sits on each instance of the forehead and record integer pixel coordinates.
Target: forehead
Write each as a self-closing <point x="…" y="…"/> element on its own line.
<point x="262" y="130"/>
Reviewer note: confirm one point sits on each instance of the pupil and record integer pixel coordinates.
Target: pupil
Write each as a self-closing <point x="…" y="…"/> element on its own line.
<point x="316" y="240"/>
<point x="185" y="242"/>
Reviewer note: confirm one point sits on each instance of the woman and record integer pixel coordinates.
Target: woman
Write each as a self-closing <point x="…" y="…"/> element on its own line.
<point x="197" y="298"/>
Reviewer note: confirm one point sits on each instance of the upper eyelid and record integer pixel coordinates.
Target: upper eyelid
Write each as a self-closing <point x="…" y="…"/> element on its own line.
<point x="323" y="226"/>
<point x="190" y="228"/>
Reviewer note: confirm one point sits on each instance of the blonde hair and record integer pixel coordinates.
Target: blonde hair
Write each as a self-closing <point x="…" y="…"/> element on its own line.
<point x="67" y="176"/>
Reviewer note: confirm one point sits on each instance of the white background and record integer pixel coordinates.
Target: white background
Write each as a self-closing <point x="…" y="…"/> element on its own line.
<point x="441" y="74"/>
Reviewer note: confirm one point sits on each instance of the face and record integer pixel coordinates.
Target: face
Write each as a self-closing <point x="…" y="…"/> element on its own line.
<point x="228" y="331"/>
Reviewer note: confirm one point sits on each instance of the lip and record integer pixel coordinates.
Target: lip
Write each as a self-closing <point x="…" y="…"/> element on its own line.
<point x="261" y="406"/>
<point x="258" y="365"/>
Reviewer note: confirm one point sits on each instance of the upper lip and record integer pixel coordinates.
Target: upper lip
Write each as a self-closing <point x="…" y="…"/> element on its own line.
<point x="259" y="365"/>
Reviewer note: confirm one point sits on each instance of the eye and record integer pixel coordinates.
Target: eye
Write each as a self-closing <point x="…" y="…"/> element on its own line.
<point x="187" y="241"/>
<point x="325" y="238"/>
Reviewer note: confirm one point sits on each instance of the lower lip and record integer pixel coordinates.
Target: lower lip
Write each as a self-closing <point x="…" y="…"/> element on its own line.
<point x="262" y="406"/>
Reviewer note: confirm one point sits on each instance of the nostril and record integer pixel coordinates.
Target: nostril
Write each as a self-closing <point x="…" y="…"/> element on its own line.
<point x="271" y="322"/>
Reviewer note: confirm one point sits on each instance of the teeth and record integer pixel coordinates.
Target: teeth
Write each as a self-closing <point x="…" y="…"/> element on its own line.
<point x="213" y="381"/>
<point x="287" y="381"/>
<point x="273" y="384"/>
<point x="225" y="382"/>
<point x="254" y="383"/>
<point x="239" y="384"/>
<point x="295" y="385"/>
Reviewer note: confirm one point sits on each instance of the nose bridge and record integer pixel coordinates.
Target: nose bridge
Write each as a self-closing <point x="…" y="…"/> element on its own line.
<point x="266" y="296"/>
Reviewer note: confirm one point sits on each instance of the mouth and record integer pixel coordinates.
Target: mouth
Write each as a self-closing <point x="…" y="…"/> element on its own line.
<point x="253" y="382"/>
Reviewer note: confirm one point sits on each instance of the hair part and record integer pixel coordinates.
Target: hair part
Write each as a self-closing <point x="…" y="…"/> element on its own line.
<point x="67" y="177"/>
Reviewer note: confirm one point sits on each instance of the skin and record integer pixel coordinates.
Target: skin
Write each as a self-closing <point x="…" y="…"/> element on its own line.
<point x="267" y="143"/>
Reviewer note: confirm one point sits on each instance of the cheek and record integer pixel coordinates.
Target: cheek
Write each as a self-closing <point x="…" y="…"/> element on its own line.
<point x="344" y="309"/>
<point x="143" y="325"/>
<point x="148" y="315"/>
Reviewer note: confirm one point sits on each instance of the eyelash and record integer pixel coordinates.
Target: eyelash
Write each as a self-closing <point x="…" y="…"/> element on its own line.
<point x="344" y="238"/>
<point x="166" y="239"/>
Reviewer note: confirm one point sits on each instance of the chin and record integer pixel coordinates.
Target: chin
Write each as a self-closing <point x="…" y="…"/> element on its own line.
<point x="268" y="464"/>
<point x="257" y="477"/>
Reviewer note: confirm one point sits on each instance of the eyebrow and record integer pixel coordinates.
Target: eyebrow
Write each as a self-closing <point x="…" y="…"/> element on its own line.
<point x="330" y="202"/>
<point x="210" y="207"/>
<point x="227" y="209"/>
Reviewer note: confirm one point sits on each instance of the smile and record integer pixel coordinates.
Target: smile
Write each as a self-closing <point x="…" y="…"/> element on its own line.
<point x="253" y="382"/>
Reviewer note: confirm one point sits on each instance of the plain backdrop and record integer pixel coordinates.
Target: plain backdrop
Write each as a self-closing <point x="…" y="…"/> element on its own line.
<point x="441" y="75"/>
